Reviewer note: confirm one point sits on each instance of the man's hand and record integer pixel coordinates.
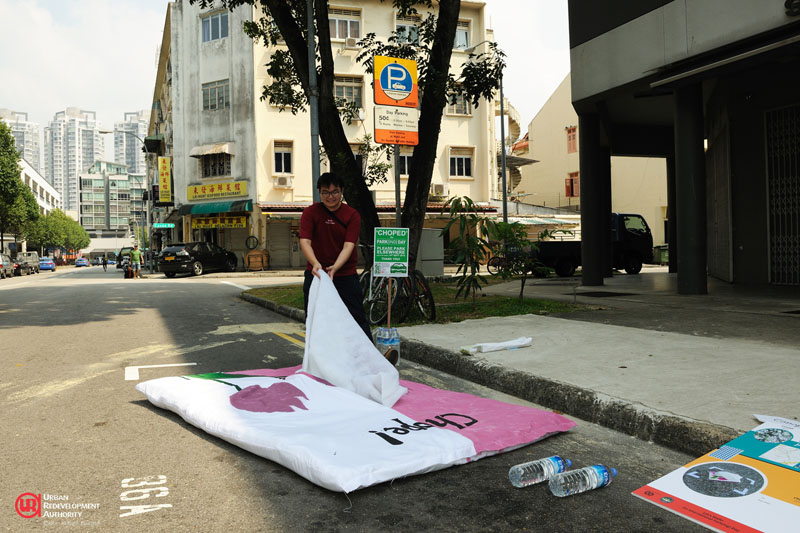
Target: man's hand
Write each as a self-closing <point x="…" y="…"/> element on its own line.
<point x="331" y="270"/>
<point x="315" y="268"/>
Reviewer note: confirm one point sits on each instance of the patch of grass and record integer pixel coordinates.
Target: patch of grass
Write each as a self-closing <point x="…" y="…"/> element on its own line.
<point x="448" y="309"/>
<point x="291" y="295"/>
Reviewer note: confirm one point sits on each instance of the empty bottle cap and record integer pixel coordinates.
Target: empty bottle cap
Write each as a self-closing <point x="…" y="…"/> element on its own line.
<point x="613" y="472"/>
<point x="568" y="462"/>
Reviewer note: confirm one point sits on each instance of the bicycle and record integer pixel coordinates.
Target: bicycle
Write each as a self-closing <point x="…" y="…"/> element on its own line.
<point x="421" y="300"/>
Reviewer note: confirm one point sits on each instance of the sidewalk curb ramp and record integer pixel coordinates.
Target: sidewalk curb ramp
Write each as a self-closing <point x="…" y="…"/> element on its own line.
<point x="693" y="437"/>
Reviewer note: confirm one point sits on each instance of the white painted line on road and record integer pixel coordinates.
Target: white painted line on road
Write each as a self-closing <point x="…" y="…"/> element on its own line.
<point x="132" y="372"/>
<point x="20" y="285"/>
<point x="243" y="287"/>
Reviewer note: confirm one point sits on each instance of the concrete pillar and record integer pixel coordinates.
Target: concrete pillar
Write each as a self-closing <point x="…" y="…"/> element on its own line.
<point x="672" y="227"/>
<point x="595" y="163"/>
<point x="690" y="190"/>
<point x="604" y="173"/>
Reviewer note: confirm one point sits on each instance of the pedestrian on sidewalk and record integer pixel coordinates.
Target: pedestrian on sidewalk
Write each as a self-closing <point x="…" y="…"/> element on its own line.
<point x="105" y="264"/>
<point x="328" y="234"/>
<point x="136" y="260"/>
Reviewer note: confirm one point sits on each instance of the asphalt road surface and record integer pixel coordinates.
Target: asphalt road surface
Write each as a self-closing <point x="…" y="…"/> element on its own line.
<point x="76" y="429"/>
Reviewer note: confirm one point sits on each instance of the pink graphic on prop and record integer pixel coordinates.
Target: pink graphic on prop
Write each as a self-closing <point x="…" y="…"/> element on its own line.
<point x="277" y="398"/>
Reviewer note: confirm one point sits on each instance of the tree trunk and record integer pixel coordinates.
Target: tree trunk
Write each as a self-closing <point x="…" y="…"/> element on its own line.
<point x="430" y="121"/>
<point x="331" y="130"/>
<point x="340" y="153"/>
<point x="522" y="285"/>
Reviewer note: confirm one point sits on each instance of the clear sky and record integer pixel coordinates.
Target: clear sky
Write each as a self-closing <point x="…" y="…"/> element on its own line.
<point x="101" y="55"/>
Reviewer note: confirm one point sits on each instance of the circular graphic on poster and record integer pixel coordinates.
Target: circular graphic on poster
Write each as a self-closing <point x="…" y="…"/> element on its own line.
<point x="724" y="480"/>
<point x="773" y="435"/>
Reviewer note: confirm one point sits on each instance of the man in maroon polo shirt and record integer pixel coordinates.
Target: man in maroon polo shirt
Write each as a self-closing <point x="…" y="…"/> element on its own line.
<point x="328" y="235"/>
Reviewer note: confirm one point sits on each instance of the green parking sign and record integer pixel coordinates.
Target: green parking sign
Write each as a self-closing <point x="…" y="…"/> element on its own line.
<point x="390" y="257"/>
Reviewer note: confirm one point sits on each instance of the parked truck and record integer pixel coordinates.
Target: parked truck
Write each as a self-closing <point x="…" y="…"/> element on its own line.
<point x="631" y="241"/>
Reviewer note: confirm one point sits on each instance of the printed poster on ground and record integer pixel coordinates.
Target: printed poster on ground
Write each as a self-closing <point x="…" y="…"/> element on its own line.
<point x="750" y="484"/>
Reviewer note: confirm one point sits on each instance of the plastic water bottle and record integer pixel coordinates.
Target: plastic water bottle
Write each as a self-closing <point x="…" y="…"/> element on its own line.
<point x="533" y="472"/>
<point x="582" y="480"/>
<point x="387" y="341"/>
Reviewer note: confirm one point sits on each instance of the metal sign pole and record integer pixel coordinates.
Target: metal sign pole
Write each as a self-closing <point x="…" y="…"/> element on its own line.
<point x="397" y="185"/>
<point x="389" y="303"/>
<point x="313" y="100"/>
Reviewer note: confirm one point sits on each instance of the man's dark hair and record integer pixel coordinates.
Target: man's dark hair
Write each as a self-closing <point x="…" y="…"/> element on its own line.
<point x="329" y="178"/>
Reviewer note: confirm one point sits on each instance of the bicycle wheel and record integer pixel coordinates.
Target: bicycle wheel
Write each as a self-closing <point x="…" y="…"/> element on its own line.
<point x="402" y="300"/>
<point x="494" y="265"/>
<point x="423" y="297"/>
<point x="363" y="281"/>
<point x="378" y="304"/>
<point x="251" y="242"/>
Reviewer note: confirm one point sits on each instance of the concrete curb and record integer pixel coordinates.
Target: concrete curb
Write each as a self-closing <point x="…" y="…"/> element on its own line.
<point x="285" y="310"/>
<point x="679" y="433"/>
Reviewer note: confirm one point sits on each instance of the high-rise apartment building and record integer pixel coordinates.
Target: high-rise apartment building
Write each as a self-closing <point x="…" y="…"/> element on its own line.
<point x="72" y="143"/>
<point x="111" y="199"/>
<point x="127" y="148"/>
<point x="26" y="136"/>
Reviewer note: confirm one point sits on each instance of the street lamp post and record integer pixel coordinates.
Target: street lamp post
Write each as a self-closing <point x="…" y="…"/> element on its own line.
<point x="148" y="227"/>
<point x="502" y="136"/>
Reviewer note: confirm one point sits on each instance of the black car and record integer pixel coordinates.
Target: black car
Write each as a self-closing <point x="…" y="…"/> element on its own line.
<point x="22" y="267"/>
<point x="195" y="258"/>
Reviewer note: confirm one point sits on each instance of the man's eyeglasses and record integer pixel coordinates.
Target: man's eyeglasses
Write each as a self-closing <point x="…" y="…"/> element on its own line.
<point x="330" y="194"/>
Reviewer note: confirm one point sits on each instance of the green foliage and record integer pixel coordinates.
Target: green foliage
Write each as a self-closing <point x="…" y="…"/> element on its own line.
<point x="12" y="203"/>
<point x="56" y="229"/>
<point x="470" y="246"/>
<point x="24" y="211"/>
<point x="515" y="250"/>
<point x="285" y="90"/>
<point x="375" y="157"/>
<point x="480" y="75"/>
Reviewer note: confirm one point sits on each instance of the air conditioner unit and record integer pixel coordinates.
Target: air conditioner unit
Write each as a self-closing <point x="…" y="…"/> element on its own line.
<point x="438" y="189"/>
<point x="351" y="43"/>
<point x="282" y="182"/>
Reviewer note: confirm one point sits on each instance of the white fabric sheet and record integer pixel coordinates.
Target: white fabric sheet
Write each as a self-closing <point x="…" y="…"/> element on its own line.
<point x="497" y="346"/>
<point x="338" y="351"/>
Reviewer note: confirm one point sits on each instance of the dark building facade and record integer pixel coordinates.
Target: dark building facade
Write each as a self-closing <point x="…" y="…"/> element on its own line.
<point x="713" y="86"/>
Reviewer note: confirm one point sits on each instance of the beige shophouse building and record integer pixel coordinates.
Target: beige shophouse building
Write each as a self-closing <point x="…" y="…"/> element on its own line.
<point x="639" y="184"/>
<point x="240" y="167"/>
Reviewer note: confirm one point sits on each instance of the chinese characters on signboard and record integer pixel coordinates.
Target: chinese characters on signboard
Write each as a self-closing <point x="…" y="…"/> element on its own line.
<point x="216" y="190"/>
<point x="219" y="222"/>
<point x="164" y="180"/>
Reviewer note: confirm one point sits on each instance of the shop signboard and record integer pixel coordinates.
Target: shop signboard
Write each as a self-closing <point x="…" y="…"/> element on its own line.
<point x="219" y="222"/>
<point x="164" y="180"/>
<point x="229" y="189"/>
